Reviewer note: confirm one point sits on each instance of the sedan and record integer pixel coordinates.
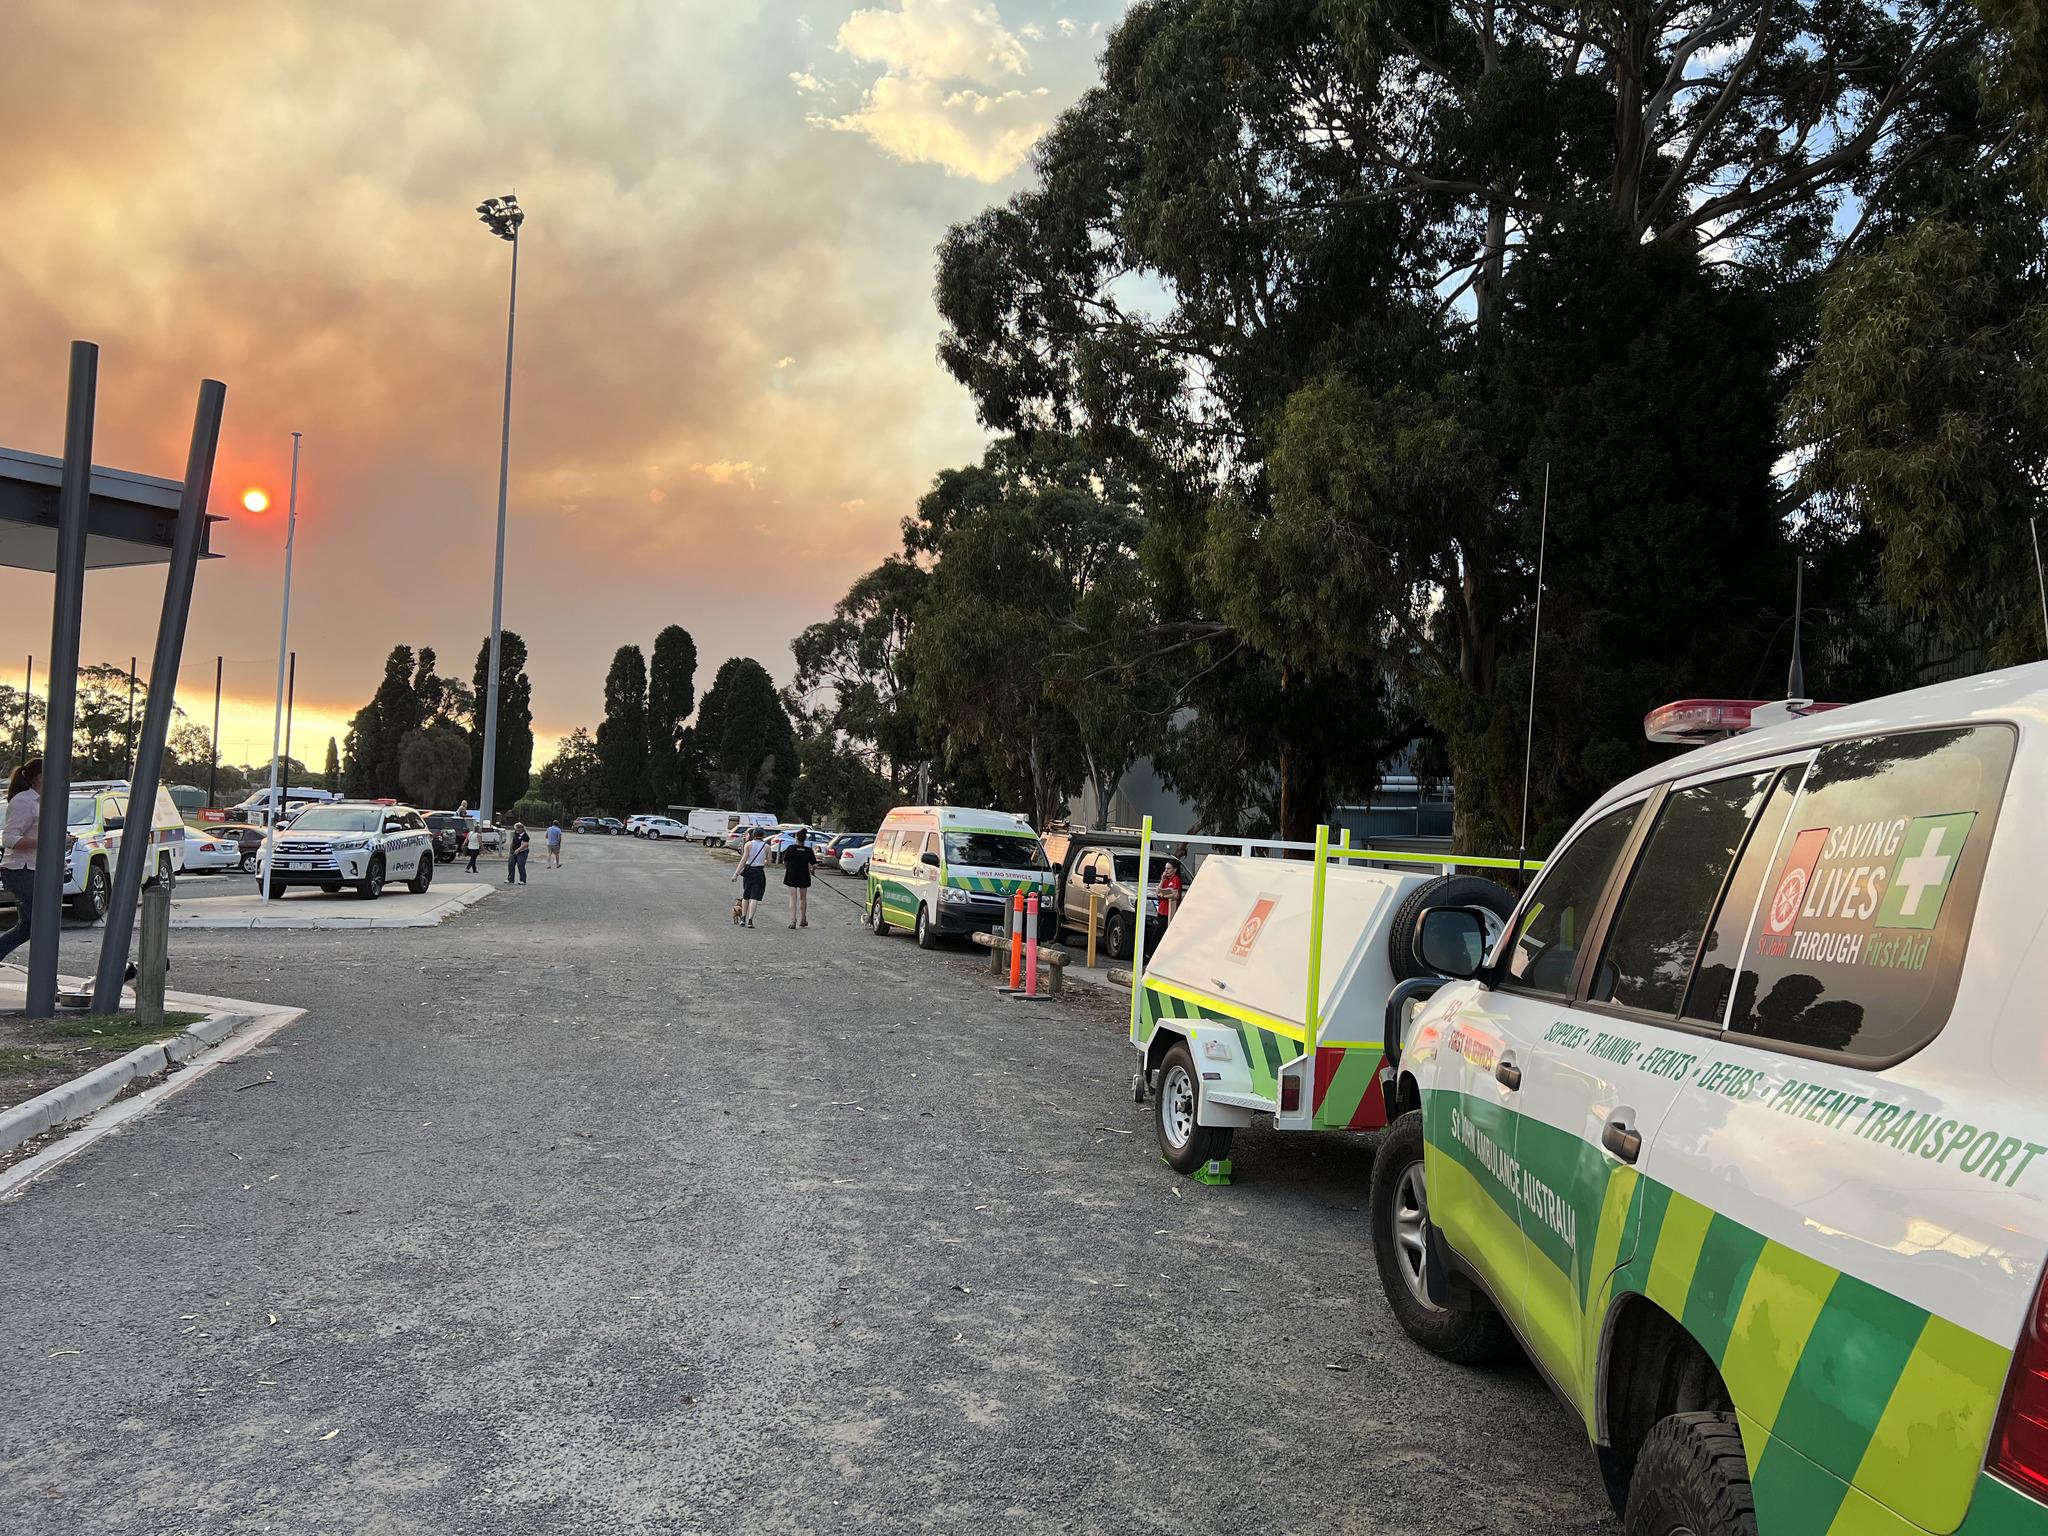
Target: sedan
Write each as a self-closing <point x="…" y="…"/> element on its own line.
<point x="854" y="860"/>
<point x="211" y="848"/>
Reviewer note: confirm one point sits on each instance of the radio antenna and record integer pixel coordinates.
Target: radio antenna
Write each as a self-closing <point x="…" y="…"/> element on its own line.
<point x="1535" y="646"/>
<point x="2040" y="580"/>
<point x="1795" y="678"/>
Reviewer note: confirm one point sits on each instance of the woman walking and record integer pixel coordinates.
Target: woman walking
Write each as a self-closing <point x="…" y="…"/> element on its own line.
<point x="473" y="844"/>
<point x="752" y="874"/>
<point x="515" y="864"/>
<point x="18" y="850"/>
<point x="796" y="874"/>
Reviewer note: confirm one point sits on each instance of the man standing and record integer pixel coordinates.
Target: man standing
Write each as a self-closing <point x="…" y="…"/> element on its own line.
<point x="554" y="845"/>
<point x="18" y="850"/>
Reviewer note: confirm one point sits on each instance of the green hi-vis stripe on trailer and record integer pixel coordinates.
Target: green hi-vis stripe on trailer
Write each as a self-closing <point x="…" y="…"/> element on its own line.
<point x="1861" y="1412"/>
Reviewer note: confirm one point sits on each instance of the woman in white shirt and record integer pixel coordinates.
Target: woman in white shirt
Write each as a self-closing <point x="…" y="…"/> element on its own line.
<point x="752" y="873"/>
<point x="18" y="850"/>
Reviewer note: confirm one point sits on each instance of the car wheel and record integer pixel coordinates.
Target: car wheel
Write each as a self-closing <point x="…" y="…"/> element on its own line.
<point x="331" y="887"/>
<point x="1185" y="1144"/>
<point x="371" y="886"/>
<point x="277" y="890"/>
<point x="422" y="877"/>
<point x="877" y="923"/>
<point x="1116" y="936"/>
<point x="927" y="930"/>
<point x="1399" y="1204"/>
<point x="1691" y="1480"/>
<point x="92" y="902"/>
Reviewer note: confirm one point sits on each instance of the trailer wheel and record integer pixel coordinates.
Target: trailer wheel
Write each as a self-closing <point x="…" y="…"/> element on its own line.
<point x="1444" y="891"/>
<point x="1186" y="1144"/>
<point x="1400" y="1236"/>
<point x="1691" y="1477"/>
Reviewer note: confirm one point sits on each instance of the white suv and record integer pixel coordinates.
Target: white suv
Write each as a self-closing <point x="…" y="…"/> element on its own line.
<point x="360" y="844"/>
<point x="1742" y="1127"/>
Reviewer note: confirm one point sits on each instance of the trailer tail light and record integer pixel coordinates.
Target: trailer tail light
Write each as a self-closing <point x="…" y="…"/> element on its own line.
<point x="1290" y="1094"/>
<point x="2019" y="1440"/>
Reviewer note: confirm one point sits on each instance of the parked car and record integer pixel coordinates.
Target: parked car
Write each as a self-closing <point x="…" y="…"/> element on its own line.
<point x="209" y="848"/>
<point x="637" y="825"/>
<point x="854" y="858"/>
<point x="658" y="827"/>
<point x="95" y="823"/>
<point x="830" y="855"/>
<point x="247" y="837"/>
<point x="612" y="825"/>
<point x="449" y="830"/>
<point x="780" y="840"/>
<point x="353" y="843"/>
<point x="587" y="824"/>
<point x="949" y="869"/>
<point x="1736" y="1125"/>
<point x="1109" y="873"/>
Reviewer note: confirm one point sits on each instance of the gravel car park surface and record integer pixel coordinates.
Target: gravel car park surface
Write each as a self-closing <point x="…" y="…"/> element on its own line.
<point x="590" y="1213"/>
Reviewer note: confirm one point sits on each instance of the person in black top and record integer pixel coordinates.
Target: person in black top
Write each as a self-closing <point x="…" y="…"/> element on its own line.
<point x="796" y="874"/>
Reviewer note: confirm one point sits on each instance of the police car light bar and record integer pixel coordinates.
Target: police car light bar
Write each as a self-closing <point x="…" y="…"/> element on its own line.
<point x="1695" y="722"/>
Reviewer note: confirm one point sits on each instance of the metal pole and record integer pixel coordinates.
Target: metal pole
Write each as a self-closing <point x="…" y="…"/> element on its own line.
<point x="67" y="611"/>
<point x="28" y="702"/>
<point x="213" y="774"/>
<point x="128" y="740"/>
<point x="291" y="688"/>
<point x="138" y="834"/>
<point x="284" y="629"/>
<point x="1535" y="647"/>
<point x="487" y="806"/>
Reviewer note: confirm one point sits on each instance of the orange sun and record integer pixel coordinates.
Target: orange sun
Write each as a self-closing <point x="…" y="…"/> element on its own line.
<point x="256" y="500"/>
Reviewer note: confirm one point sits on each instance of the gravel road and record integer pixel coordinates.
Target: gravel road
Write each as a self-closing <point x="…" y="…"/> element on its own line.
<point x="589" y="1213"/>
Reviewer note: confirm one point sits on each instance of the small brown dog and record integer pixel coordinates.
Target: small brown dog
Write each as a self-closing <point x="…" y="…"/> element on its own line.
<point x="739" y="910"/>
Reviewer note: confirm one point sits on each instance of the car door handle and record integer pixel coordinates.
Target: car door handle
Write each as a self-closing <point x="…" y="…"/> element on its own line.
<point x="1508" y="1075"/>
<point x="1624" y="1143"/>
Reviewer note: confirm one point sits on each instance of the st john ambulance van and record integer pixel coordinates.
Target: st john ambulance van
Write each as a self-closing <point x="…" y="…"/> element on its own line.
<point x="1741" y="1128"/>
<point x="946" y="869"/>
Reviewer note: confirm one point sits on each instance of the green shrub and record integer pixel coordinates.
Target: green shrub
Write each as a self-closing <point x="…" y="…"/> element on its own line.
<point x="535" y="813"/>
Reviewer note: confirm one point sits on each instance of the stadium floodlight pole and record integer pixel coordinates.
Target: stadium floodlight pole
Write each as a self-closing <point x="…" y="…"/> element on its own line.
<point x="284" y="631"/>
<point x="502" y="216"/>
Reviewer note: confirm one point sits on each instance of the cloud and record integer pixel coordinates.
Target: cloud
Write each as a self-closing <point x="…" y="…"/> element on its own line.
<point x="784" y="362"/>
<point x="929" y="106"/>
<point x="1067" y="27"/>
<point x="731" y="472"/>
<point x="808" y="83"/>
<point x="936" y="40"/>
<point x="1032" y="30"/>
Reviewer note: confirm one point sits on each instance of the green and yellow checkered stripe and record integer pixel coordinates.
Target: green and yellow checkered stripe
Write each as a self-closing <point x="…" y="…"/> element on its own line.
<point x="1347" y="1085"/>
<point x="1861" y="1413"/>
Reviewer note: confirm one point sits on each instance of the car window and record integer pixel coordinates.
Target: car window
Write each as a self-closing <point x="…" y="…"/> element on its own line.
<point x="1656" y="933"/>
<point x="1857" y="945"/>
<point x="1546" y="945"/>
<point x="1707" y="999"/>
<point x="339" y="818"/>
<point x="994" y="850"/>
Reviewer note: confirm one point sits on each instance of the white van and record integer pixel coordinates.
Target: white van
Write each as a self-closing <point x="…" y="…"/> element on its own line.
<point x="941" y="869"/>
<point x="1740" y="1126"/>
<point x="95" y="821"/>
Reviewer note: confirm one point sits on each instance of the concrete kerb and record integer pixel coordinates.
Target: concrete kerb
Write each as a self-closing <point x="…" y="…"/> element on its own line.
<point x="225" y="1019"/>
<point x="435" y="907"/>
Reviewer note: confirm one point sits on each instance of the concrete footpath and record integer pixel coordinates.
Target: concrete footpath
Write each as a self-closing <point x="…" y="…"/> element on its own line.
<point x="396" y="908"/>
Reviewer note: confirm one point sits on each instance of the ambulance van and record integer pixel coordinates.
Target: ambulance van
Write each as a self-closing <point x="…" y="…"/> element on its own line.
<point x="1739" y="1127"/>
<point x="946" y="869"/>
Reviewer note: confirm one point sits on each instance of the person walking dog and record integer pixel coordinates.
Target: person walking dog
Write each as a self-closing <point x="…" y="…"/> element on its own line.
<point x="797" y="861"/>
<point x="515" y="863"/>
<point x="18" y="850"/>
<point x="473" y="844"/>
<point x="752" y="874"/>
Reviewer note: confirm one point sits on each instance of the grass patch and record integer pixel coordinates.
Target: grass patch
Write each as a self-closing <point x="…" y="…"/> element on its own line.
<point x="118" y="1029"/>
<point x="14" y="1060"/>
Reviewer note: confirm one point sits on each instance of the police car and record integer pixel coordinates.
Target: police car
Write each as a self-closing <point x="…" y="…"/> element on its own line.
<point x="1740" y="1126"/>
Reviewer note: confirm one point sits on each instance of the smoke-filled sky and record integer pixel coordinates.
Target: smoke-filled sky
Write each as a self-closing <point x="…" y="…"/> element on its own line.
<point x="725" y="396"/>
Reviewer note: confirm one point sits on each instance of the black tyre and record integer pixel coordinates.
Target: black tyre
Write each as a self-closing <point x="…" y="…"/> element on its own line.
<point x="1691" y="1480"/>
<point x="877" y="923"/>
<point x="927" y="930"/>
<point x="1116" y="936"/>
<point x="331" y="887"/>
<point x="277" y="890"/>
<point x="371" y="886"/>
<point x="92" y="902"/>
<point x="1444" y="891"/>
<point x="1185" y="1144"/>
<point x="422" y="877"/>
<point x="1400" y="1234"/>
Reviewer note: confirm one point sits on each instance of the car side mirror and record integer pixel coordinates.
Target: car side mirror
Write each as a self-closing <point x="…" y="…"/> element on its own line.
<point x="931" y="859"/>
<point x="116" y="823"/>
<point x="1090" y="877"/>
<point x="1451" y="941"/>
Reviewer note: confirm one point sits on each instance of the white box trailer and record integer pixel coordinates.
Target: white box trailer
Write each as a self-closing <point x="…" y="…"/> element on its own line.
<point x="1268" y="993"/>
<point x="710" y="827"/>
